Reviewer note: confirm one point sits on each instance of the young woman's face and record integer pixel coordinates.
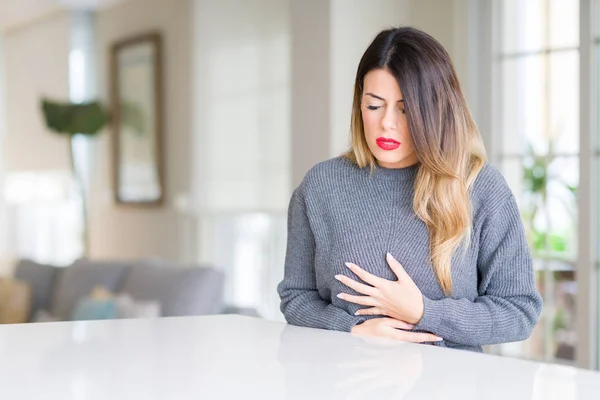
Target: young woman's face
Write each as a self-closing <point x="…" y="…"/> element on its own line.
<point x="384" y="121"/>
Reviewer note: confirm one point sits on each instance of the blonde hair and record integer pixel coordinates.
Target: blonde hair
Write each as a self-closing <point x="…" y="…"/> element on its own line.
<point x="447" y="142"/>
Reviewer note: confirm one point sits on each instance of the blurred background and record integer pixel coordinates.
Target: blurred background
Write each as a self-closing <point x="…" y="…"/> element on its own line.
<point x="148" y="148"/>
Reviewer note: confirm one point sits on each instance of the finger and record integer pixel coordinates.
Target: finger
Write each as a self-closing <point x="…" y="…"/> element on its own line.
<point x="362" y="300"/>
<point x="370" y="311"/>
<point x="359" y="287"/>
<point x="396" y="267"/>
<point x="415" y="337"/>
<point x="426" y="337"/>
<point x="394" y="323"/>
<point x="365" y="276"/>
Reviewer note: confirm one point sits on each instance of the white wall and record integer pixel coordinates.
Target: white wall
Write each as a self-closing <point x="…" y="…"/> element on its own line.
<point x="451" y="23"/>
<point x="19" y="13"/>
<point x="36" y="65"/>
<point x="125" y="233"/>
<point x="2" y="96"/>
<point x="241" y="106"/>
<point x="354" y="25"/>
<point x="459" y="27"/>
<point x="5" y="264"/>
<point x="436" y="18"/>
<point x="311" y="88"/>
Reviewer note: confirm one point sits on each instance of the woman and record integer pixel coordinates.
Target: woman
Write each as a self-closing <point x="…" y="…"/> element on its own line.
<point x="411" y="235"/>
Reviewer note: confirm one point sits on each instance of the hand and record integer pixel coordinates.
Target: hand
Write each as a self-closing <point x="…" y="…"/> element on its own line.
<point x="401" y="299"/>
<point x="389" y="328"/>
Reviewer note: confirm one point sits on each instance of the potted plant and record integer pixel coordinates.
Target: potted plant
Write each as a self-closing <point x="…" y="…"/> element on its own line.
<point x="69" y="120"/>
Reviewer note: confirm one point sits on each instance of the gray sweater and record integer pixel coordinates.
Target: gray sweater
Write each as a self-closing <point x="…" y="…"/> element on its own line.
<point x="342" y="213"/>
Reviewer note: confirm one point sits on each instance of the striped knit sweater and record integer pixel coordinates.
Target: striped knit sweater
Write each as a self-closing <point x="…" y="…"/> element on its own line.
<point x="342" y="213"/>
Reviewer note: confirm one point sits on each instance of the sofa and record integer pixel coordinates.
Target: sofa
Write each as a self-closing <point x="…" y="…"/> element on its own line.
<point x="178" y="291"/>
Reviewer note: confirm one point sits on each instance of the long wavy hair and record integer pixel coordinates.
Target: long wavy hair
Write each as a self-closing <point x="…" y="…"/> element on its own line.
<point x="446" y="140"/>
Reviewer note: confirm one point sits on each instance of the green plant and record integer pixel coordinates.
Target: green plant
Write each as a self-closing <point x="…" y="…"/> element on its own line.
<point x="71" y="119"/>
<point x="536" y="176"/>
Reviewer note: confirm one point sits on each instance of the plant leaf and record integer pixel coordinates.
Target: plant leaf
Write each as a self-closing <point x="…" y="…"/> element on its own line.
<point x="69" y="118"/>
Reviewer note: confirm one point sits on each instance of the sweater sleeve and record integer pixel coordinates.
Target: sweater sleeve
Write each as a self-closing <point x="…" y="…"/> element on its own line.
<point x="508" y="306"/>
<point x="301" y="303"/>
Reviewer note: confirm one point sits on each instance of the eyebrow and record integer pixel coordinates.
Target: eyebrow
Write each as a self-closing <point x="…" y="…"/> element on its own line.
<point x="381" y="98"/>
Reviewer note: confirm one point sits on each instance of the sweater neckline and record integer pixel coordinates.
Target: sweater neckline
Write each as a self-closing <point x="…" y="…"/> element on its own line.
<point x="400" y="174"/>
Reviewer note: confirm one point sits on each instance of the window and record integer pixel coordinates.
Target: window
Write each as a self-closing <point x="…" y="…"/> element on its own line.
<point x="43" y="217"/>
<point x="537" y="139"/>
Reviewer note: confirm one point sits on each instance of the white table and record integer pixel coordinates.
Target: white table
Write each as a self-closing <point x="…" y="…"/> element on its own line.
<point x="234" y="357"/>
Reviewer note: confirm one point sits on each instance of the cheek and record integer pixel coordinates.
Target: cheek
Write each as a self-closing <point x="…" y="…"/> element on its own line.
<point x="405" y="133"/>
<point x="370" y="123"/>
<point x="410" y="141"/>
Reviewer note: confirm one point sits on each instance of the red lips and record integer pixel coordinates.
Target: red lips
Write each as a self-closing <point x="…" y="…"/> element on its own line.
<point x="387" y="143"/>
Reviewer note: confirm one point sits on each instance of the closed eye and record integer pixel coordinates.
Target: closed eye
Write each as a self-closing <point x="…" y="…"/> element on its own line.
<point x="373" y="107"/>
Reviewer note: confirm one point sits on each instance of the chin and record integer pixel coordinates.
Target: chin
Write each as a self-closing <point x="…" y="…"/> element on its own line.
<point x="388" y="157"/>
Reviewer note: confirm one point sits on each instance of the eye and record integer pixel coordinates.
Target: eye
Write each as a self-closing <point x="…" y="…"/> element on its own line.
<point x="373" y="107"/>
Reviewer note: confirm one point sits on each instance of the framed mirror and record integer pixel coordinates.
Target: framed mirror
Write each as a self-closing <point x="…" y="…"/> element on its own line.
<point x="137" y="120"/>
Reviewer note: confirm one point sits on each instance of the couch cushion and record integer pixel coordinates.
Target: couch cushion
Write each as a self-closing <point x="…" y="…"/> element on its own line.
<point x="41" y="279"/>
<point x="180" y="291"/>
<point x="78" y="281"/>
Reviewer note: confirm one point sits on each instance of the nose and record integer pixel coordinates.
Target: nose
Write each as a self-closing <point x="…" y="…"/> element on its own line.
<point x="390" y="119"/>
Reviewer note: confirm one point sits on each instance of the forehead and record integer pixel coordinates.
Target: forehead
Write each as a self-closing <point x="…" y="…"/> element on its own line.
<point x="382" y="83"/>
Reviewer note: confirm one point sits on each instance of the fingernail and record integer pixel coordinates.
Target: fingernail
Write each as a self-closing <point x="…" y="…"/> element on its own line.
<point x="389" y="255"/>
<point x="439" y="339"/>
<point x="348" y="265"/>
<point x="340" y="296"/>
<point x="338" y="277"/>
<point x="357" y="313"/>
